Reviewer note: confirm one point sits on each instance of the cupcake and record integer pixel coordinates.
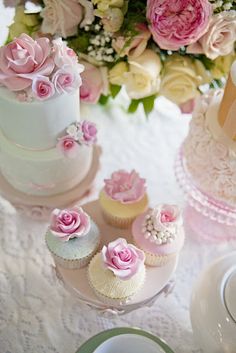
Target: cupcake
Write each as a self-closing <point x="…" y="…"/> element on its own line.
<point x="117" y="272"/>
<point x="123" y="198"/>
<point x="72" y="237"/>
<point x="159" y="233"/>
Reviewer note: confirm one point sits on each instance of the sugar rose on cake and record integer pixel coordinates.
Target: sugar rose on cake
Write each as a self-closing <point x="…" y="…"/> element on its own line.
<point x="159" y="233"/>
<point x="117" y="273"/>
<point x="123" y="198"/>
<point x="39" y="69"/>
<point x="72" y="237"/>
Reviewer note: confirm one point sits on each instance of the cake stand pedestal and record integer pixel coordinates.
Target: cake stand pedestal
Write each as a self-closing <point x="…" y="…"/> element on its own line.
<point x="158" y="279"/>
<point x="209" y="219"/>
<point x="40" y="207"/>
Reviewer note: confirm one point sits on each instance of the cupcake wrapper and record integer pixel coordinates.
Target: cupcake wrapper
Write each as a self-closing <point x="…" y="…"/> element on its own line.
<point x="157" y="260"/>
<point x="75" y="263"/>
<point x="117" y="222"/>
<point x="115" y="301"/>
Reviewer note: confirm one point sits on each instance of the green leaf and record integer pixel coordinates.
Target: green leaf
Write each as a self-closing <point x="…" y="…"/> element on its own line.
<point x="133" y="105"/>
<point x="103" y="99"/>
<point x="115" y="89"/>
<point x="80" y="43"/>
<point x="148" y="104"/>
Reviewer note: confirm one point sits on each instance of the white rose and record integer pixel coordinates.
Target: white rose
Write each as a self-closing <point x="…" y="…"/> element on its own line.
<point x="220" y="37"/>
<point x="143" y="78"/>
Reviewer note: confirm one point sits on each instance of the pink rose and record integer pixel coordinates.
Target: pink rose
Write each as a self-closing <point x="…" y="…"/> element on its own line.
<point x="68" y="146"/>
<point x="63" y="55"/>
<point x="123" y="259"/>
<point x="187" y="107"/>
<point x="62" y="17"/>
<point x="93" y="83"/>
<point x="66" y="79"/>
<point x="165" y="217"/>
<point x="178" y="23"/>
<point x="69" y="223"/>
<point x="132" y="46"/>
<point x="219" y="39"/>
<point x="42" y="87"/>
<point x="89" y="131"/>
<point x="125" y="187"/>
<point x="22" y="60"/>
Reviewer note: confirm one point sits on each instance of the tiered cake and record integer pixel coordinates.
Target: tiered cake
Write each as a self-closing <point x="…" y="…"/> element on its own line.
<point x="210" y="147"/>
<point x="44" y="149"/>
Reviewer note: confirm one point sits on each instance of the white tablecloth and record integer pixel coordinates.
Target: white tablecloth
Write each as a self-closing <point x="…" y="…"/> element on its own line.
<point x="37" y="315"/>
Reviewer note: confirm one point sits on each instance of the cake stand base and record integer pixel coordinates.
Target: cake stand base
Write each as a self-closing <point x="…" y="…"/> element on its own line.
<point x="40" y="207"/>
<point x="157" y="278"/>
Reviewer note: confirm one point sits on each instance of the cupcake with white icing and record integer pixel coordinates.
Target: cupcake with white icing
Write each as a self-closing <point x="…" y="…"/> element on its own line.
<point x="159" y="233"/>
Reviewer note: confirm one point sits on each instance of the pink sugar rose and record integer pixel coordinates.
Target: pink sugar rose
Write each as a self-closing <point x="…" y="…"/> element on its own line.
<point x="123" y="259"/>
<point x="165" y="217"/>
<point x="89" y="131"/>
<point x="135" y="46"/>
<point x="69" y="223"/>
<point x="22" y="60"/>
<point x="42" y="88"/>
<point x="94" y="82"/>
<point x="125" y="187"/>
<point x="68" y="146"/>
<point x="66" y="79"/>
<point x="63" y="55"/>
<point x="174" y="24"/>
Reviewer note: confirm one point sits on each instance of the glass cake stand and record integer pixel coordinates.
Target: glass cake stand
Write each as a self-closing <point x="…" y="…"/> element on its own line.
<point x="159" y="280"/>
<point x="208" y="218"/>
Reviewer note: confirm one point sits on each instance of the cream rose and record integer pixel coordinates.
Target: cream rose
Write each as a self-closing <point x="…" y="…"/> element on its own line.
<point x="181" y="78"/>
<point x="222" y="65"/>
<point x="132" y="46"/>
<point x="143" y="78"/>
<point x="220" y="37"/>
<point x="116" y="74"/>
<point x="62" y="17"/>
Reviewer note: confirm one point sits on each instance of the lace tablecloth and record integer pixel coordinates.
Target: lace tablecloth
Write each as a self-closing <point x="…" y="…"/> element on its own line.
<point x="37" y="315"/>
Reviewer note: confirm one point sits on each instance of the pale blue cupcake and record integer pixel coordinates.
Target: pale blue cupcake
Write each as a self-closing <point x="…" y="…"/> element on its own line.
<point x="72" y="237"/>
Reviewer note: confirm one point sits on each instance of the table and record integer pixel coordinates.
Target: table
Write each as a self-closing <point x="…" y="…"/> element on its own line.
<point x="36" y="313"/>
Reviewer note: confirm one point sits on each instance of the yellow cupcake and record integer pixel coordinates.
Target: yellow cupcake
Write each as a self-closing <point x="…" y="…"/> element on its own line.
<point x="123" y="198"/>
<point x="117" y="273"/>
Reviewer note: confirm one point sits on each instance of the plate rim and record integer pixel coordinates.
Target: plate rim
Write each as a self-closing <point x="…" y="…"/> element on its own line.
<point x="95" y="341"/>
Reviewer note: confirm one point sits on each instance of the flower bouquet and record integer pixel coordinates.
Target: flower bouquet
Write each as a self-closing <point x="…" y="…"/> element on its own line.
<point x="154" y="47"/>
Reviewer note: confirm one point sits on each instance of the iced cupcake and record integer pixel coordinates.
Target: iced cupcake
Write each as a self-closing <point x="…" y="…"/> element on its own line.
<point x="72" y="237"/>
<point x="123" y="198"/>
<point x="159" y="233"/>
<point x="117" y="272"/>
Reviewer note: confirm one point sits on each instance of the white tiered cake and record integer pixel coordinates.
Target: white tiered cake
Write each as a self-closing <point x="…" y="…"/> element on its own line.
<point x="210" y="147"/>
<point x="35" y="142"/>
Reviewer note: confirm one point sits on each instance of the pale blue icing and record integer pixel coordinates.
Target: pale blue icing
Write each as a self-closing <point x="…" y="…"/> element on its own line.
<point x="76" y="248"/>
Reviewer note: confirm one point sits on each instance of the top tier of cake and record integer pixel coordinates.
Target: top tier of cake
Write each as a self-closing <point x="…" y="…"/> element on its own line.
<point x="39" y="91"/>
<point x="37" y="124"/>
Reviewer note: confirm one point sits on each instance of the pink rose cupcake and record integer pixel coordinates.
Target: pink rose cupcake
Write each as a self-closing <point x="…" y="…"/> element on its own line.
<point x="159" y="233"/>
<point x="117" y="272"/>
<point x="72" y="237"/>
<point x="123" y="198"/>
